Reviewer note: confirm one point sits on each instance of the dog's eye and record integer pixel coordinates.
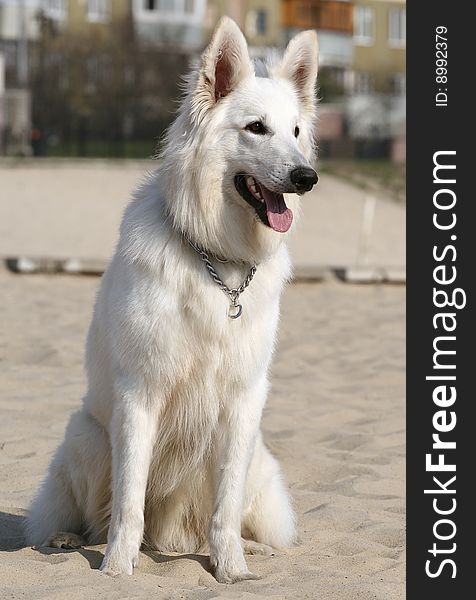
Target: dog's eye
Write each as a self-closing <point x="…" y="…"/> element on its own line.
<point x="296" y="131"/>
<point x="256" y="127"/>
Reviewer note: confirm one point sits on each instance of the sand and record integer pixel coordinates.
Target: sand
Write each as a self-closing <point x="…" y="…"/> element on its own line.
<point x="42" y="203"/>
<point x="335" y="420"/>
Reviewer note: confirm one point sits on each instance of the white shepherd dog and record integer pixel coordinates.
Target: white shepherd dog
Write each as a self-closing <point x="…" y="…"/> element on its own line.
<point x="166" y="450"/>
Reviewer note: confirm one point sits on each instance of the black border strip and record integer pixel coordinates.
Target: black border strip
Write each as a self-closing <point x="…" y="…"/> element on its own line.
<point x="432" y="128"/>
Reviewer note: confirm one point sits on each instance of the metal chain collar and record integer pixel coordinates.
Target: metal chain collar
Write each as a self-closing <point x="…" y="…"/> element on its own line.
<point x="233" y="294"/>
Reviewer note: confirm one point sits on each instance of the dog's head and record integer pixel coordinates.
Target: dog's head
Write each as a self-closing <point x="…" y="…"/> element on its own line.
<point x="244" y="140"/>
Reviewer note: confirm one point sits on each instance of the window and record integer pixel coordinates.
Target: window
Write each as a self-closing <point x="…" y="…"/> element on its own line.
<point x="261" y="22"/>
<point x="9" y="51"/>
<point x="171" y="10"/>
<point x="399" y="83"/>
<point x="98" y="10"/>
<point x="55" y="9"/>
<point x="397" y="29"/>
<point x="363" y="83"/>
<point x="54" y="5"/>
<point x="167" y="5"/>
<point x="189" y="6"/>
<point x="364" y="25"/>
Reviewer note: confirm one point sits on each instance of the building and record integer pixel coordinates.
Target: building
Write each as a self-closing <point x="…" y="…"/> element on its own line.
<point x="263" y="23"/>
<point x="236" y="9"/>
<point x="100" y="69"/>
<point x="82" y="15"/>
<point x="172" y="23"/>
<point x="379" y="46"/>
<point x="260" y="21"/>
<point x="101" y="75"/>
<point x="19" y="30"/>
<point x="332" y="19"/>
<point x="376" y="110"/>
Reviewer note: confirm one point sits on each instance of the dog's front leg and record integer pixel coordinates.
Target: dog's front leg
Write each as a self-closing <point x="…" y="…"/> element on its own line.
<point x="240" y="426"/>
<point x="133" y="431"/>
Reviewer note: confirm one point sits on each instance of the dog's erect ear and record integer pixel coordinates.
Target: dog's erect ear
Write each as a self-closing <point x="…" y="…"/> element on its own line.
<point x="300" y="64"/>
<point x="226" y="60"/>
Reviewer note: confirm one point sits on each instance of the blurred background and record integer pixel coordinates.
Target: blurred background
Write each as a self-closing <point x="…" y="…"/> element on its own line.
<point x="99" y="79"/>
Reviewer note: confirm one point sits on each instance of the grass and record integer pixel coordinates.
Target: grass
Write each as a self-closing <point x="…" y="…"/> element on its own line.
<point x="378" y="175"/>
<point x="104" y="149"/>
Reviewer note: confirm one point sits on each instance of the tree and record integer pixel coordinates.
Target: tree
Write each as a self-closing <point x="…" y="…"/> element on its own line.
<point x="96" y="87"/>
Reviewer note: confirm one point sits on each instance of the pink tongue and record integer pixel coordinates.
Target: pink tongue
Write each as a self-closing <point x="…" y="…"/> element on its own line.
<point x="279" y="215"/>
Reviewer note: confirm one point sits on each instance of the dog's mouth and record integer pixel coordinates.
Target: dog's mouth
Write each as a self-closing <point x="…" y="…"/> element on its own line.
<point x="269" y="206"/>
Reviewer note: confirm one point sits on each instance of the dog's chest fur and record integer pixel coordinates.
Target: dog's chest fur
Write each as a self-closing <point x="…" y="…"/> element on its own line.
<point x="172" y="331"/>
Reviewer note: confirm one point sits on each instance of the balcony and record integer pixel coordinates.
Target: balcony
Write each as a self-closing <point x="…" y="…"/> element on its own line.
<point x="333" y="21"/>
<point x="325" y="15"/>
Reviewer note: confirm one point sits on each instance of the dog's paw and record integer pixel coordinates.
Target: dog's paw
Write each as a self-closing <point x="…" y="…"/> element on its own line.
<point x="113" y="565"/>
<point x="226" y="557"/>
<point x="257" y="548"/>
<point x="223" y="575"/>
<point x="231" y="568"/>
<point x="68" y="541"/>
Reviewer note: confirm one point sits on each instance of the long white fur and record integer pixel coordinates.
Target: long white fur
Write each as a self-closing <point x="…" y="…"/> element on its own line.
<point x="167" y="449"/>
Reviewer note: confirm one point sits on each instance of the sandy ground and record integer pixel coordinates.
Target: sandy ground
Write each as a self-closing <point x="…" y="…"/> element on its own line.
<point x="335" y="420"/>
<point x="42" y="202"/>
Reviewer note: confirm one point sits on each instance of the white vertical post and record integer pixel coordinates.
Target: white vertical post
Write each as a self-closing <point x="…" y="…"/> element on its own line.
<point x="368" y="216"/>
<point x="2" y="75"/>
<point x="2" y="101"/>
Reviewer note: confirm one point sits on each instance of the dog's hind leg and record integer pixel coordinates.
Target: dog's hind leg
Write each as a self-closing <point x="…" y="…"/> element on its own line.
<point x="268" y="517"/>
<point x="54" y="511"/>
<point x="58" y="515"/>
<point x="55" y="508"/>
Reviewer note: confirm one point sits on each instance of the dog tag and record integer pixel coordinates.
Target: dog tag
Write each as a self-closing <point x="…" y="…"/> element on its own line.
<point x="238" y="308"/>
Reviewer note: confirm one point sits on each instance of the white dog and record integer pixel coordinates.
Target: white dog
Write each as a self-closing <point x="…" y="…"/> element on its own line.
<point x="166" y="449"/>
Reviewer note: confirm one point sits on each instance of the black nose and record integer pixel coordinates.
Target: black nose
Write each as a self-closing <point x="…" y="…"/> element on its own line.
<point x="304" y="178"/>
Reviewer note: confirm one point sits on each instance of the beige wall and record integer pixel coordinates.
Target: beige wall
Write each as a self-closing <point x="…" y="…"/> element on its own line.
<point x="379" y="59"/>
<point x="236" y="9"/>
<point x="244" y="13"/>
<point x="77" y="13"/>
<point x="271" y="36"/>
